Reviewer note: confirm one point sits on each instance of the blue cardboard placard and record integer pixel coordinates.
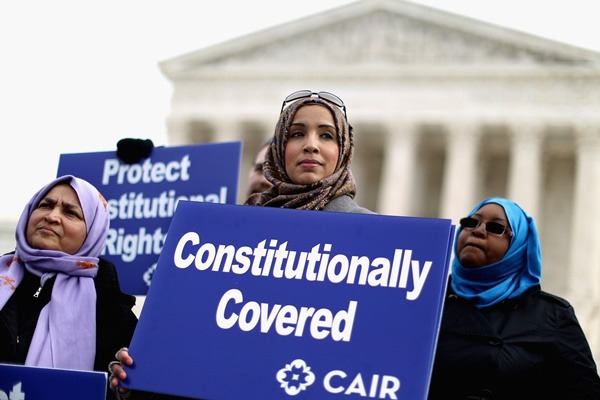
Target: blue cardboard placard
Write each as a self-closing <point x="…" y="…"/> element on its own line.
<point x="18" y="382"/>
<point x="264" y="303"/>
<point x="142" y="197"/>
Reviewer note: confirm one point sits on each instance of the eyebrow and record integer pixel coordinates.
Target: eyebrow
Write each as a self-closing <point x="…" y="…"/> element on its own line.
<point x="493" y="219"/>
<point x="72" y="206"/>
<point x="65" y="204"/>
<point x="320" y="125"/>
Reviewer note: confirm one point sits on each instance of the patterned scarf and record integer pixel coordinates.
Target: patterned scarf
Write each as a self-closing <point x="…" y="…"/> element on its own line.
<point x="519" y="269"/>
<point x="315" y="196"/>
<point x="65" y="334"/>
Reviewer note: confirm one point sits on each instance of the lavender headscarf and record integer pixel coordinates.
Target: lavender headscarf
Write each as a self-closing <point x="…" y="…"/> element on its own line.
<point x="65" y="334"/>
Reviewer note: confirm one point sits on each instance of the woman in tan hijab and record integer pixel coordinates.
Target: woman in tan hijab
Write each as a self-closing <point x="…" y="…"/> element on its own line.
<point x="308" y="164"/>
<point x="308" y="160"/>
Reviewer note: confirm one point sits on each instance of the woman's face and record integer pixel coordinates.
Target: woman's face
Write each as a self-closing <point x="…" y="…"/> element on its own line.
<point x="312" y="149"/>
<point x="57" y="222"/>
<point x="478" y="247"/>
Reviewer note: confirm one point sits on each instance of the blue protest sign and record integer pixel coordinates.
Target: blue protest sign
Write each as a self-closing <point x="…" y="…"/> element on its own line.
<point x="142" y="197"/>
<point x="263" y="303"/>
<point x="18" y="382"/>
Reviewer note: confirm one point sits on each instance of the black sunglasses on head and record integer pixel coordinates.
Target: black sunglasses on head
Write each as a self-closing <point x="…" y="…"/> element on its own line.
<point x="492" y="227"/>
<point x="301" y="94"/>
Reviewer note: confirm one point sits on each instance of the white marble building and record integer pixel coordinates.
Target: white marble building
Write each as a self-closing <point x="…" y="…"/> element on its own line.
<point x="446" y="110"/>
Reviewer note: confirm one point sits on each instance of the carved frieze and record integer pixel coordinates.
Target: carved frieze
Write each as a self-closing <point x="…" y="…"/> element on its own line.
<point x="383" y="37"/>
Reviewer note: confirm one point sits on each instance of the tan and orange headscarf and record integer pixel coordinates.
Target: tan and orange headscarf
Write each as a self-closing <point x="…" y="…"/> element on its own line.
<point x="315" y="196"/>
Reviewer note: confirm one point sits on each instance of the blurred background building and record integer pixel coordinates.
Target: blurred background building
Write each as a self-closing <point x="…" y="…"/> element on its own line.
<point x="447" y="110"/>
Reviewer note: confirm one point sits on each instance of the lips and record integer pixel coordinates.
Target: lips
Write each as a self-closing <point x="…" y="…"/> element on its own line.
<point x="309" y="162"/>
<point x="474" y="245"/>
<point x="47" y="230"/>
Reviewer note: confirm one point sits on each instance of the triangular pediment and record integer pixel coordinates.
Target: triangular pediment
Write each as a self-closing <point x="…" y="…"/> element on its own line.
<point x="382" y="33"/>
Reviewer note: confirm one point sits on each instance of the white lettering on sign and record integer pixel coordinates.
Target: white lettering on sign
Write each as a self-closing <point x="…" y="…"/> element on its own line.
<point x="380" y="387"/>
<point x="130" y="245"/>
<point x="284" y="319"/>
<point x="397" y="271"/>
<point x="146" y="172"/>
<point x="14" y="394"/>
<point x="134" y="205"/>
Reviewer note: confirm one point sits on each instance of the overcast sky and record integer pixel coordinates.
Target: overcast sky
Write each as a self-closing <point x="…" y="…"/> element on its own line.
<point x="76" y="76"/>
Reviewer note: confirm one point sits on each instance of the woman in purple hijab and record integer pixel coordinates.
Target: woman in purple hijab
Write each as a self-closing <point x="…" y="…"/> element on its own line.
<point x="61" y="305"/>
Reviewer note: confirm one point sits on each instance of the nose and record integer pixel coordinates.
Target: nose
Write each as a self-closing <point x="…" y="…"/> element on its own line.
<point x="480" y="230"/>
<point x="311" y="144"/>
<point x="52" y="215"/>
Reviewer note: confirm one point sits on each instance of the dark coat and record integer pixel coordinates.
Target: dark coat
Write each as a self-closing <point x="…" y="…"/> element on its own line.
<point x="115" y="320"/>
<point x="529" y="348"/>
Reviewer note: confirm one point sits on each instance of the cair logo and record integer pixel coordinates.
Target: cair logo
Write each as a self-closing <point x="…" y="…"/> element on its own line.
<point x="297" y="376"/>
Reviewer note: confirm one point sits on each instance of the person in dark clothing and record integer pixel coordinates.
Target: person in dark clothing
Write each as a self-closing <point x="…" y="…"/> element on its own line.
<point x="501" y="336"/>
<point x="61" y="305"/>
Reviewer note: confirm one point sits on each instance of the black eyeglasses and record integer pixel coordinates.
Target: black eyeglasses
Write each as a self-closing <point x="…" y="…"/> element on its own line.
<point x="492" y="227"/>
<point x="301" y="94"/>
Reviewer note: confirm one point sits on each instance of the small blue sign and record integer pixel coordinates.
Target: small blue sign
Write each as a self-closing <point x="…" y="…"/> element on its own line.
<point x="19" y="382"/>
<point x="142" y="197"/>
<point x="264" y="303"/>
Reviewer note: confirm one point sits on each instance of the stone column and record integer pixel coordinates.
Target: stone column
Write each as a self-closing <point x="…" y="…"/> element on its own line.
<point x="228" y="130"/>
<point x="459" y="183"/>
<point x="232" y="130"/>
<point x="397" y="171"/>
<point x="524" y="169"/>
<point x="177" y="131"/>
<point x="584" y="266"/>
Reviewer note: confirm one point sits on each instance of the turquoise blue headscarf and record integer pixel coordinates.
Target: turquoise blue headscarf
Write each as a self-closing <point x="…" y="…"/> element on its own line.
<point x="519" y="269"/>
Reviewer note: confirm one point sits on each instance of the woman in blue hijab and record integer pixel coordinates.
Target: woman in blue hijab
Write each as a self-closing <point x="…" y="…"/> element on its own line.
<point x="501" y="336"/>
